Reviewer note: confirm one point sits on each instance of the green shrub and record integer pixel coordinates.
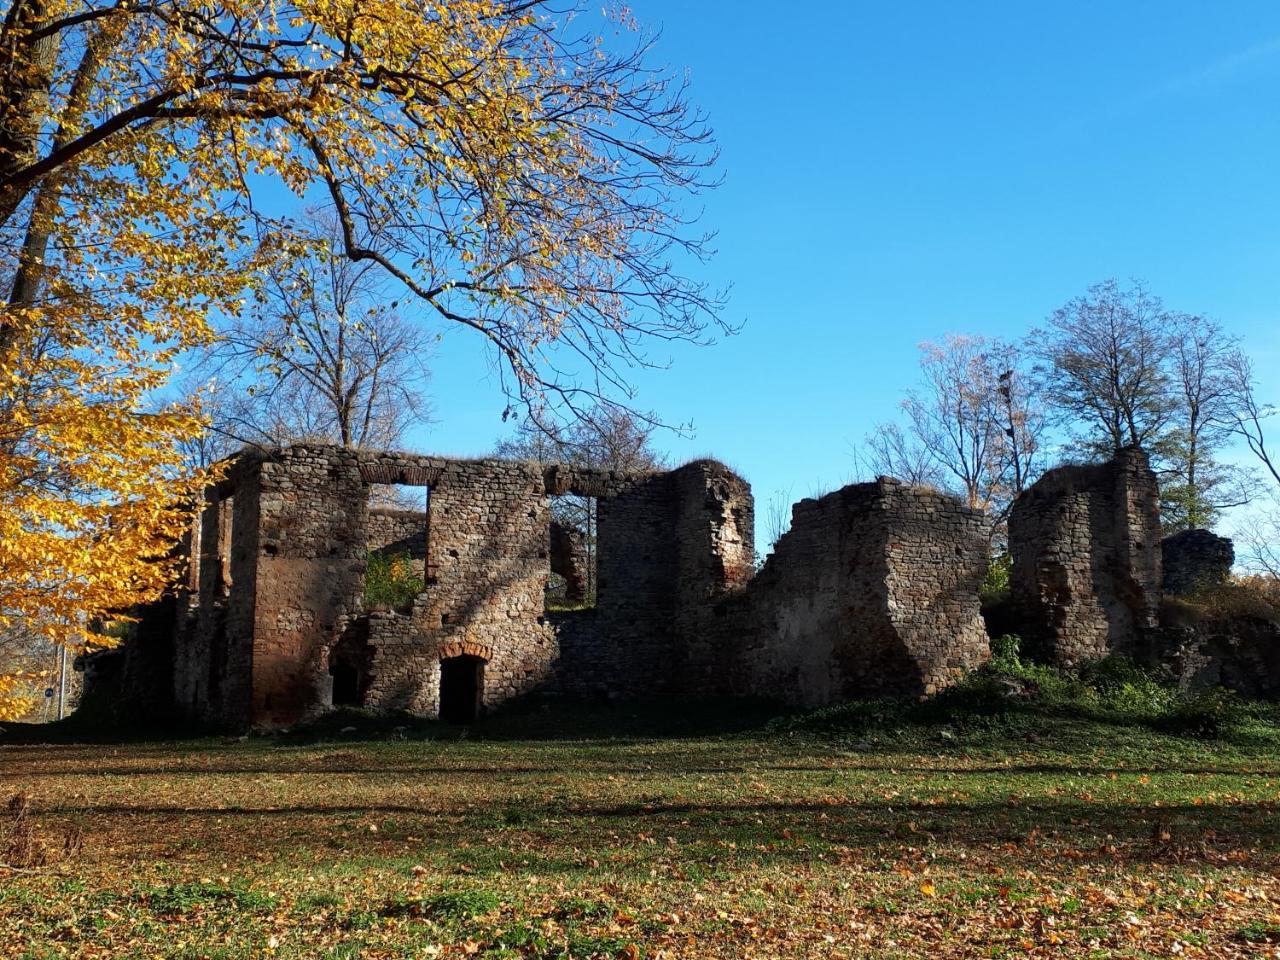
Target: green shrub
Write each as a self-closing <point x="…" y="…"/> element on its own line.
<point x="390" y="580"/>
<point x="995" y="585"/>
<point x="180" y="898"/>
<point x="1207" y="715"/>
<point x="462" y="905"/>
<point x="1005" y="651"/>
<point x="1009" y="696"/>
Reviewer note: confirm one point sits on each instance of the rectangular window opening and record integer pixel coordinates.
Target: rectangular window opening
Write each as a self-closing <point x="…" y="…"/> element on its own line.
<point x="396" y="568"/>
<point x="226" y="532"/>
<point x="573" y="550"/>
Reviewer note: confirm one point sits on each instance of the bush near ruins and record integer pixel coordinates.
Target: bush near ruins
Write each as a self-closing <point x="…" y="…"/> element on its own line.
<point x="1009" y="696"/>
<point x="390" y="581"/>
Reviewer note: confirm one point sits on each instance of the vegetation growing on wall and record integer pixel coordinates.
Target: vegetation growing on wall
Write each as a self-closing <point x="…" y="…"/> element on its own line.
<point x="390" y="581"/>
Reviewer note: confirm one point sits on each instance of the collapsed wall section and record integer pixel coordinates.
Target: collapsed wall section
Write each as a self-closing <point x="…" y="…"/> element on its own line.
<point x="873" y="591"/>
<point x="1085" y="546"/>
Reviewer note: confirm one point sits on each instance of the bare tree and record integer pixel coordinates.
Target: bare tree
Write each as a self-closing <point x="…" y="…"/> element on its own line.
<point x="1249" y="413"/>
<point x="1195" y="485"/>
<point x="1020" y="418"/>
<point x="974" y="426"/>
<point x="604" y="437"/>
<point x="322" y="353"/>
<point x="954" y="416"/>
<point x="1105" y="361"/>
<point x="891" y="451"/>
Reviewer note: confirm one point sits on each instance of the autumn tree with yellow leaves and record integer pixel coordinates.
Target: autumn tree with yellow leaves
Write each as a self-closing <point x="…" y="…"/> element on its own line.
<point x="520" y="178"/>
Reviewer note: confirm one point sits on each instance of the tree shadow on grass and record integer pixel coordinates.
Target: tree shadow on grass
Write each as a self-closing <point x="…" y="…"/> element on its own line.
<point x="566" y="837"/>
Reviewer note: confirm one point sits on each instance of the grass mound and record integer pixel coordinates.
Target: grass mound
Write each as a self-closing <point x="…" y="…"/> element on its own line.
<point x="1010" y="697"/>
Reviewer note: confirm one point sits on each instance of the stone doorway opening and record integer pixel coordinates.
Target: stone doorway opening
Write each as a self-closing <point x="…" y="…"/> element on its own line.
<point x="461" y="688"/>
<point x="346" y="685"/>
<point x="349" y="666"/>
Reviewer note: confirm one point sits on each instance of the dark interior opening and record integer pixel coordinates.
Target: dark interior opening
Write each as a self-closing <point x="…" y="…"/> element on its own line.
<point x="350" y="664"/>
<point x="346" y="685"/>
<point x="461" y="688"/>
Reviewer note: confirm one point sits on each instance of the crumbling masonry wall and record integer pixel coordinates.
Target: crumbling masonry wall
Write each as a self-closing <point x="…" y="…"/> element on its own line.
<point x="1195" y="558"/>
<point x="874" y="590"/>
<point x="1085" y="546"/>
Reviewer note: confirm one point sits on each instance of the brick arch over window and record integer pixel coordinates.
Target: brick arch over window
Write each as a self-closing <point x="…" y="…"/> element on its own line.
<point x="465" y="648"/>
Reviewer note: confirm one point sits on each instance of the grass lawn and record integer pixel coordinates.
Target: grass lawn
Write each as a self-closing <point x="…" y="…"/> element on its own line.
<point x="629" y="832"/>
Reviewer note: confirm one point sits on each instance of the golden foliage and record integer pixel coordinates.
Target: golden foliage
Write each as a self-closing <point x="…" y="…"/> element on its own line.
<point x="17" y="695"/>
<point x="514" y="181"/>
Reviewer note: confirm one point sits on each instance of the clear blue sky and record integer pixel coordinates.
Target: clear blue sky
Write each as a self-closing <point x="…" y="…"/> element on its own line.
<point x="895" y="172"/>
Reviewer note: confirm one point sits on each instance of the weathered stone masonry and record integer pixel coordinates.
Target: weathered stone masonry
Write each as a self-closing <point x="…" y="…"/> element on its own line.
<point x="1195" y="558"/>
<point x="874" y="590"/>
<point x="1085" y="545"/>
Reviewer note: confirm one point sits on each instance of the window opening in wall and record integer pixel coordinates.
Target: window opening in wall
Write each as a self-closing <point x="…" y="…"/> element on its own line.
<point x="461" y="688"/>
<point x="398" y="536"/>
<point x="572" y="548"/>
<point x="226" y="531"/>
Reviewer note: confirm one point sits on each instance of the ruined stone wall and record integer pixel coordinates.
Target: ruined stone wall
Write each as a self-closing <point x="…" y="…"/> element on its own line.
<point x="1085" y="545"/>
<point x="569" y="560"/>
<point x="873" y="591"/>
<point x="1195" y="558"/>
<point x="213" y="647"/>
<point x="488" y="556"/>
<point x="485" y="556"/>
<point x="714" y="556"/>
<point x="626" y="645"/>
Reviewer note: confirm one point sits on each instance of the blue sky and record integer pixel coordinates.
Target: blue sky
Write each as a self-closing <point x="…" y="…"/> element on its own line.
<point x="895" y="172"/>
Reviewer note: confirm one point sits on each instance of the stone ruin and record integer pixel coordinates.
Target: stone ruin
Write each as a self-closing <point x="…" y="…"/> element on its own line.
<point x="1195" y="558"/>
<point x="869" y="593"/>
<point x="872" y="592"/>
<point x="1085" y="546"/>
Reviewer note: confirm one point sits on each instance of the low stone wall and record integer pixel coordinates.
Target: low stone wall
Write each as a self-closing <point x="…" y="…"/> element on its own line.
<point x="1085" y="545"/>
<point x="1239" y="653"/>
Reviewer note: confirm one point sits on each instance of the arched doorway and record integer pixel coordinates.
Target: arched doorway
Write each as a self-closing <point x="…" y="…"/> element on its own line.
<point x="461" y="688"/>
